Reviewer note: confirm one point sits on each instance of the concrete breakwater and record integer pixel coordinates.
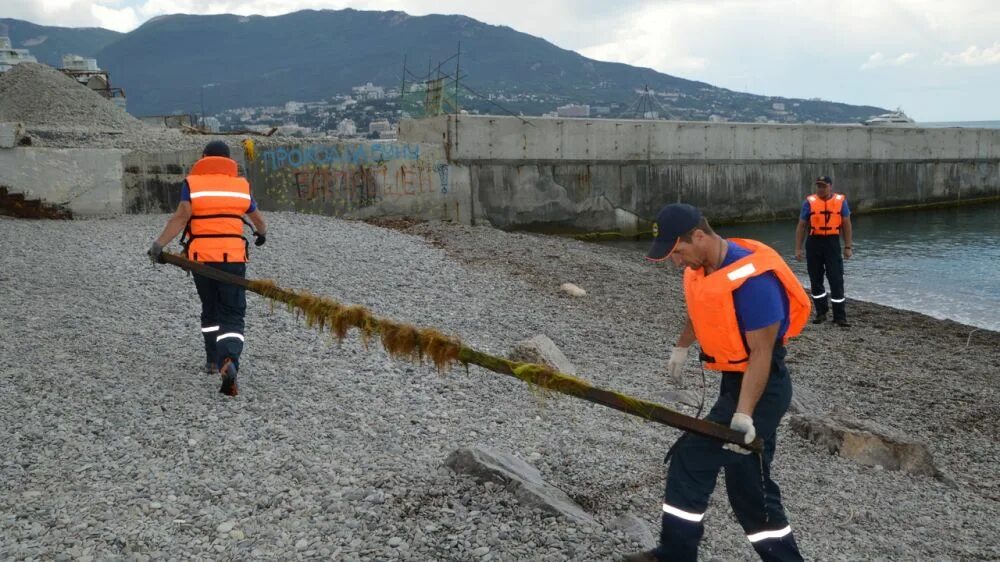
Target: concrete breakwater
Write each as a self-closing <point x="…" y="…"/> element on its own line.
<point x="539" y="173"/>
<point x="589" y="175"/>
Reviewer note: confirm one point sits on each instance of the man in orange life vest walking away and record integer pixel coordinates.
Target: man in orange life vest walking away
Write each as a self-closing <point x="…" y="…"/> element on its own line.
<point x="826" y="215"/>
<point x="214" y="200"/>
<point x="743" y="305"/>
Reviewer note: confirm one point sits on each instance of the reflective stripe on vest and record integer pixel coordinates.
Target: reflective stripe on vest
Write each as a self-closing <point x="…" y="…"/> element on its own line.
<point x="219" y="199"/>
<point x="824" y="215"/>
<point x="713" y="313"/>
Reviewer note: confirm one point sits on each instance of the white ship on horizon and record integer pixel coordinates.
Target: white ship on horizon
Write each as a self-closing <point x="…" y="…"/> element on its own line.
<point x="892" y="119"/>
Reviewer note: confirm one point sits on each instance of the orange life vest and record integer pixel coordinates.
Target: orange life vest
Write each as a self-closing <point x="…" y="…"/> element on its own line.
<point x="713" y="313"/>
<point x="824" y="215"/>
<point x="219" y="199"/>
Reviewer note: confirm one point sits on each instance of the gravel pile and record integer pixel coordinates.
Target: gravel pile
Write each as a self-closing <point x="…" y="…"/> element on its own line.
<point x="59" y="112"/>
<point x="39" y="95"/>
<point x="116" y="446"/>
<point x="146" y="139"/>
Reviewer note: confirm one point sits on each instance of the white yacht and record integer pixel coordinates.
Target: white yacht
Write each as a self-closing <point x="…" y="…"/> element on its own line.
<point x="892" y="119"/>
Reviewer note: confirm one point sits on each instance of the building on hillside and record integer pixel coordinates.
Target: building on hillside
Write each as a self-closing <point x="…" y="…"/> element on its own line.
<point x="9" y="56"/>
<point x="379" y="126"/>
<point x="347" y="128"/>
<point x="572" y="110"/>
<point x="369" y="92"/>
<point x="85" y="71"/>
<point x="291" y="129"/>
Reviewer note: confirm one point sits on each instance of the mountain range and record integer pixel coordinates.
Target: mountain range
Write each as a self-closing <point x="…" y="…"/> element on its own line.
<point x="170" y="63"/>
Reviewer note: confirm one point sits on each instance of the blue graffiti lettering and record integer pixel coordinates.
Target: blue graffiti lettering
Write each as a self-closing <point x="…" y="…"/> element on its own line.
<point x="319" y="154"/>
<point x="442" y="170"/>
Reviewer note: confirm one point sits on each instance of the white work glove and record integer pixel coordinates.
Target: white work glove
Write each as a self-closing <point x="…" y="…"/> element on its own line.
<point x="675" y="365"/>
<point x="744" y="424"/>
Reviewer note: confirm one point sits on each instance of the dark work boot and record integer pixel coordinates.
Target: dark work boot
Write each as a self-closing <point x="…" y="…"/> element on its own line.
<point x="228" y="373"/>
<point x="211" y="368"/>
<point x="819" y="319"/>
<point x="842" y="322"/>
<point x="645" y="556"/>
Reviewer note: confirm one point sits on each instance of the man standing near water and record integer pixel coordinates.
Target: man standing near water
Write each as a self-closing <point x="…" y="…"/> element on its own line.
<point x="827" y="216"/>
<point x="743" y="305"/>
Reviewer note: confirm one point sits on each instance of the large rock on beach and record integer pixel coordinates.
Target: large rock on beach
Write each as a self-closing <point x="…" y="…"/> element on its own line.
<point x="518" y="477"/>
<point x="636" y="529"/>
<point x="866" y="443"/>
<point x="543" y="351"/>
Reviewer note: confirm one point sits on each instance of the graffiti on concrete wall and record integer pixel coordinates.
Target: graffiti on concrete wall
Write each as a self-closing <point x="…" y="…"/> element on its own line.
<point x="343" y="178"/>
<point x="337" y="154"/>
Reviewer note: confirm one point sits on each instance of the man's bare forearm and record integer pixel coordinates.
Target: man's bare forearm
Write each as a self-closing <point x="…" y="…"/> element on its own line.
<point x="173" y="227"/>
<point x="800" y="235"/>
<point x="754" y="382"/>
<point x="257" y="219"/>
<point x="687" y="336"/>
<point x="761" y="344"/>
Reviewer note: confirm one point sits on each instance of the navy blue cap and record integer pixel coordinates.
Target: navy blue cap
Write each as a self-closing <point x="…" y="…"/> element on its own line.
<point x="824" y="179"/>
<point x="216" y="148"/>
<point x="674" y="221"/>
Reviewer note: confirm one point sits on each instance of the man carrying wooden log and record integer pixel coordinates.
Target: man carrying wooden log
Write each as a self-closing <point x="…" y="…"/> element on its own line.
<point x="214" y="200"/>
<point x="743" y="305"/>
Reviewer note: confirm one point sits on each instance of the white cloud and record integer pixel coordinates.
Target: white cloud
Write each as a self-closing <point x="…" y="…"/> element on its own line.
<point x="773" y="47"/>
<point x="120" y="19"/>
<point x="974" y="56"/>
<point x="656" y="36"/>
<point x="879" y="60"/>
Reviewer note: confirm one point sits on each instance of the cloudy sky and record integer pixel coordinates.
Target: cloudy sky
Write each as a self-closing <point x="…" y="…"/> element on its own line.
<point x="939" y="60"/>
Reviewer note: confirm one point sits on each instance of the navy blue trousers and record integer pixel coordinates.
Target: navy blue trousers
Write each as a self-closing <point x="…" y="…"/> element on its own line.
<point x="823" y="257"/>
<point x="695" y="463"/>
<point x="223" y="307"/>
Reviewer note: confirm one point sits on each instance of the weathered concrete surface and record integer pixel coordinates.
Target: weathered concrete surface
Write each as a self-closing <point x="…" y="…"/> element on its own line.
<point x="594" y="175"/>
<point x="343" y="179"/>
<point x="86" y="181"/>
<point x="10" y="134"/>
<point x="533" y="139"/>
<point x="361" y="180"/>
<point x="153" y="180"/>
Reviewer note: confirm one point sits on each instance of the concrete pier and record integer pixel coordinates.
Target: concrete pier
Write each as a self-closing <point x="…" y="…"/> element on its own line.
<point x="576" y="175"/>
<point x="587" y="175"/>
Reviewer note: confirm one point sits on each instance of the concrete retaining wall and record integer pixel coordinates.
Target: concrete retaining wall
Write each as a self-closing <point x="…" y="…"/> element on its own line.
<point x="553" y="174"/>
<point x="578" y="174"/>
<point x="87" y="181"/>
<point x="153" y="181"/>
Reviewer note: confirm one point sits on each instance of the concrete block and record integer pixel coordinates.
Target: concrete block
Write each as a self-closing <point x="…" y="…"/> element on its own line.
<point x="691" y="141"/>
<point x="10" y="134"/>
<point x="431" y="130"/>
<point x="633" y="140"/>
<point x="719" y="142"/>
<point x="857" y="143"/>
<point x="506" y="141"/>
<point x="87" y="181"/>
<point x="816" y="143"/>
